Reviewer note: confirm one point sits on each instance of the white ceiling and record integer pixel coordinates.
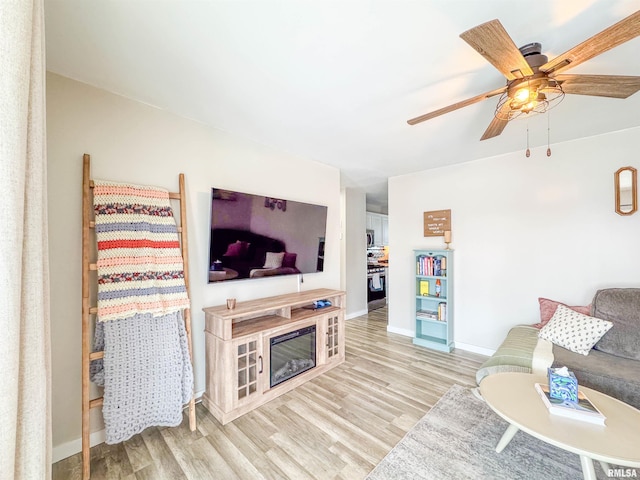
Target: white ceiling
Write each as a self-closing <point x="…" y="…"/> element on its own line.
<point x="336" y="81"/>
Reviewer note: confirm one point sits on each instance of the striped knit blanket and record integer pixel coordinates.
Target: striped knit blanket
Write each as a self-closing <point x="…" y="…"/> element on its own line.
<point x="146" y="371"/>
<point x="521" y="351"/>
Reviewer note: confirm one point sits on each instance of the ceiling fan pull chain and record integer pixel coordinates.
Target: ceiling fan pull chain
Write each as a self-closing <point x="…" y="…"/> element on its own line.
<point x="528" y="152"/>
<point x="548" y="136"/>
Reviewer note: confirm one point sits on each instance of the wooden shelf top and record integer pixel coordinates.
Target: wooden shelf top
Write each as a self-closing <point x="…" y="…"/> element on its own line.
<point x="268" y="313"/>
<point x="271" y="303"/>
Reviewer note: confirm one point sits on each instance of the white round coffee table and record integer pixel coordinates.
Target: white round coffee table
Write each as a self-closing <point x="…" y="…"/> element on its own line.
<point x="513" y="397"/>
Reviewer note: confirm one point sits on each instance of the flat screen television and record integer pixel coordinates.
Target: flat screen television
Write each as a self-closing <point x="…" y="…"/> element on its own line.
<point x="254" y="236"/>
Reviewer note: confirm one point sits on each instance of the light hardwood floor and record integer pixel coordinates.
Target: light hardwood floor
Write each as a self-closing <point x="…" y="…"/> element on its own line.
<point x="337" y="426"/>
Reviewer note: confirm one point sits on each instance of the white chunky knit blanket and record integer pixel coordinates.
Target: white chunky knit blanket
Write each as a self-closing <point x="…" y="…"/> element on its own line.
<point x="146" y="371"/>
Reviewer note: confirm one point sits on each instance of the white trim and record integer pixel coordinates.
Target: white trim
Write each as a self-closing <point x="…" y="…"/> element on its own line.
<point x="462" y="346"/>
<point x="68" y="449"/>
<point x="474" y="349"/>
<point x="75" y="446"/>
<point x="356" y="314"/>
<point x="401" y="331"/>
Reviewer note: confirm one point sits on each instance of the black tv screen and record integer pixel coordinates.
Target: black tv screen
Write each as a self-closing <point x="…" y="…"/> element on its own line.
<point x="254" y="236"/>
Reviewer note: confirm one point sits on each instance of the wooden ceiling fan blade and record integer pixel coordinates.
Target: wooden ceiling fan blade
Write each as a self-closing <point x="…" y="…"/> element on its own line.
<point x="498" y="123"/>
<point x="614" y="86"/>
<point x="456" y="106"/>
<point x="617" y="34"/>
<point x="493" y="42"/>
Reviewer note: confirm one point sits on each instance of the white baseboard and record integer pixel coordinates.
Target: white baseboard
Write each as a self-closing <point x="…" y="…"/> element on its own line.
<point x="356" y="314"/>
<point x="462" y="346"/>
<point x="474" y="349"/>
<point x="400" y="331"/>
<point x="64" y="450"/>
<point x="67" y="449"/>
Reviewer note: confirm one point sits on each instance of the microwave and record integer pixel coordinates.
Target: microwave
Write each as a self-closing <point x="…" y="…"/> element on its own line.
<point x="370" y="238"/>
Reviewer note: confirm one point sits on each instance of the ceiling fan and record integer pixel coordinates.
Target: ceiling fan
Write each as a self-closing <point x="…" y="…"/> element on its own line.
<point x="533" y="82"/>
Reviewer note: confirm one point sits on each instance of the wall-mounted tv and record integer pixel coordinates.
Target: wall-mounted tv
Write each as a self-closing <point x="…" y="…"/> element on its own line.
<point x="254" y="236"/>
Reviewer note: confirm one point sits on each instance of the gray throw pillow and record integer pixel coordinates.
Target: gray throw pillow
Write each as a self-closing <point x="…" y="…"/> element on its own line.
<point x="622" y="307"/>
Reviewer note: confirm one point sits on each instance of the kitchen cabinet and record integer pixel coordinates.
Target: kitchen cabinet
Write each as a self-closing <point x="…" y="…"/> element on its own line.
<point x="379" y="223"/>
<point x="385" y="230"/>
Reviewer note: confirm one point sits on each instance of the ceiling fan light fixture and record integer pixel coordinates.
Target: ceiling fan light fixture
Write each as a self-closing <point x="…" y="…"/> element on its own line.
<point x="535" y="94"/>
<point x="533" y="85"/>
<point x="522" y="95"/>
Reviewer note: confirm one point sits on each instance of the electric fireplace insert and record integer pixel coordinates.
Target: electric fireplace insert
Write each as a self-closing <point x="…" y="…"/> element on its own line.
<point x="292" y="354"/>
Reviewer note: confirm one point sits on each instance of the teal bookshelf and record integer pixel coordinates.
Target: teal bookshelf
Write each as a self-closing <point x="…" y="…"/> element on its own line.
<point x="434" y="299"/>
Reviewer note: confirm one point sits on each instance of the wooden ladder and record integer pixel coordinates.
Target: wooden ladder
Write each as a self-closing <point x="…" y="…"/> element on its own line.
<point x="88" y="226"/>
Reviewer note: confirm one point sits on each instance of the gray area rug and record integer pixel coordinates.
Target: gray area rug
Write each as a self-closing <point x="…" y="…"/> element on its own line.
<point x="456" y="439"/>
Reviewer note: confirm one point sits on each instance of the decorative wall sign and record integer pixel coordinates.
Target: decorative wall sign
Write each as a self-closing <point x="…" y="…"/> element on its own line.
<point x="437" y="222"/>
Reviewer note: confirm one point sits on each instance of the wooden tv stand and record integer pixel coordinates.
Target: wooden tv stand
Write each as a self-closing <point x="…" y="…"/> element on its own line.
<point x="237" y="347"/>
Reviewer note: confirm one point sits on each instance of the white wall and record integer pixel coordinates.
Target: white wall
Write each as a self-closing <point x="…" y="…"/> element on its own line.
<point x="355" y="252"/>
<point x="522" y="228"/>
<point x="132" y="142"/>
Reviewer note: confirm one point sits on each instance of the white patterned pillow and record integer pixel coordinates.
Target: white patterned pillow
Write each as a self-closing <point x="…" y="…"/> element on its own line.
<point x="273" y="260"/>
<point x="573" y="330"/>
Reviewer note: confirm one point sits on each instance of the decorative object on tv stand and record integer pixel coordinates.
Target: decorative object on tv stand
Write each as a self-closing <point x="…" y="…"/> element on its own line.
<point x="626" y="189"/>
<point x="322" y="303"/>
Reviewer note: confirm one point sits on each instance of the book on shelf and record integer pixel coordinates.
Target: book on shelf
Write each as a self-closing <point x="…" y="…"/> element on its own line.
<point x="430" y="314"/>
<point x="431" y="266"/>
<point x="424" y="265"/>
<point x="436" y="267"/>
<point x="583" y="409"/>
<point x="424" y="287"/>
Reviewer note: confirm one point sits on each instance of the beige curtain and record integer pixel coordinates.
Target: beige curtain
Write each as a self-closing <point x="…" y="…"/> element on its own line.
<point x="25" y="371"/>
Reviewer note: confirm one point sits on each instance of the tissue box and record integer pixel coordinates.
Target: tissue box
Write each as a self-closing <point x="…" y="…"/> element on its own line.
<point x="563" y="387"/>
